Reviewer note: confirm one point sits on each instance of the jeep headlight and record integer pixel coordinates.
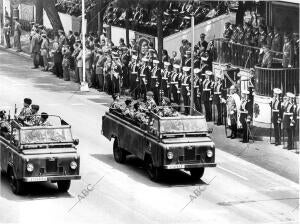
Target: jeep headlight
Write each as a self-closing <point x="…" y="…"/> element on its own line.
<point x="73" y="165"/>
<point x="209" y="153"/>
<point x="29" y="167"/>
<point x="170" y="155"/>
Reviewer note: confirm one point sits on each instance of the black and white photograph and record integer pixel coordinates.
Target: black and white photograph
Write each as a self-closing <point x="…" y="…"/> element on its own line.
<point x="149" y="111"/>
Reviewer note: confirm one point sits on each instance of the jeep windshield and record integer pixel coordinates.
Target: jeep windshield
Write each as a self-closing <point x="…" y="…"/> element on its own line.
<point x="46" y="136"/>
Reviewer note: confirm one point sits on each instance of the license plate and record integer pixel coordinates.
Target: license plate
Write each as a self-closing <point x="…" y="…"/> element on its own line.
<point x="176" y="166"/>
<point x="36" y="179"/>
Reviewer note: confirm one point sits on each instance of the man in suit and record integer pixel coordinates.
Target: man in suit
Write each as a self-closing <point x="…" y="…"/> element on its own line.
<point x="246" y="111"/>
<point x="36" y="48"/>
<point x="17" y="34"/>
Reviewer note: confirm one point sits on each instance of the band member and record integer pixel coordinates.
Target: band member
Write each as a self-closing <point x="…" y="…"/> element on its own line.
<point x="218" y="94"/>
<point x="175" y="78"/>
<point x="165" y="82"/>
<point x="289" y="116"/>
<point x="145" y="75"/>
<point x="233" y="103"/>
<point x="116" y="75"/>
<point x="206" y="88"/>
<point x="133" y="76"/>
<point x="276" y="110"/>
<point x="246" y="112"/>
<point x="185" y="87"/>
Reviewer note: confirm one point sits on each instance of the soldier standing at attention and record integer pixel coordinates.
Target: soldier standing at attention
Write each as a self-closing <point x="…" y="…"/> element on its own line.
<point x="246" y="112"/>
<point x="233" y="103"/>
<point x="7" y="32"/>
<point x="25" y="111"/>
<point x="218" y="91"/>
<point x="289" y="118"/>
<point x="154" y="80"/>
<point x="206" y="88"/>
<point x="276" y="114"/>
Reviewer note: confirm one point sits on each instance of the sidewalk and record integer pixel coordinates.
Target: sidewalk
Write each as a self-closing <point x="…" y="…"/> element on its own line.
<point x="261" y="153"/>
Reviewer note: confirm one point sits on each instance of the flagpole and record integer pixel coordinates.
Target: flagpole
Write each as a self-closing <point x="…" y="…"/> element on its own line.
<point x="84" y="85"/>
<point x="192" y="65"/>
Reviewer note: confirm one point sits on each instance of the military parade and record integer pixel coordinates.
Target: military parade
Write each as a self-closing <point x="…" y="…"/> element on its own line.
<point x="186" y="111"/>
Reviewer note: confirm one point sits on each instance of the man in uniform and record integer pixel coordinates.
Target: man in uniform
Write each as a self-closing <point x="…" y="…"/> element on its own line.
<point x="145" y="75"/>
<point x="185" y="87"/>
<point x="43" y="121"/>
<point x="25" y="111"/>
<point x="289" y="118"/>
<point x="166" y="76"/>
<point x="133" y="75"/>
<point x="276" y="41"/>
<point x="116" y="73"/>
<point x="202" y="44"/>
<point x="7" y="32"/>
<point x="267" y="57"/>
<point x="154" y="80"/>
<point x="175" y="83"/>
<point x="226" y="35"/>
<point x="150" y="103"/>
<point x="32" y="118"/>
<point x="198" y="89"/>
<point x="288" y="52"/>
<point x="276" y="110"/>
<point x="206" y="95"/>
<point x="116" y="104"/>
<point x="233" y="103"/>
<point x="246" y="111"/>
<point x="218" y="94"/>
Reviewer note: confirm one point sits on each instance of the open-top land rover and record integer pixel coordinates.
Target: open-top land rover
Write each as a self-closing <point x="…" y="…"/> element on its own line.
<point x="39" y="153"/>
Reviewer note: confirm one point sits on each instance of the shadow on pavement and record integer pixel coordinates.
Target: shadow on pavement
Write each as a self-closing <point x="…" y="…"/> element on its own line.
<point x="134" y="168"/>
<point x="34" y="191"/>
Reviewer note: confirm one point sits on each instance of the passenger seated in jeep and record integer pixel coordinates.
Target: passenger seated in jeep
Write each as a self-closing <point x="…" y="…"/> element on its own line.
<point x="4" y="125"/>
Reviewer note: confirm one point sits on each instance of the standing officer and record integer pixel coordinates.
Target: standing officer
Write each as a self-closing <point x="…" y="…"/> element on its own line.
<point x="276" y="114"/>
<point x="218" y="94"/>
<point x="206" y="88"/>
<point x="246" y="112"/>
<point x="165" y="82"/>
<point x="133" y="76"/>
<point x="185" y="83"/>
<point x="233" y="103"/>
<point x="145" y="75"/>
<point x="289" y="118"/>
<point x="154" y="80"/>
<point x="7" y="32"/>
<point x="198" y="91"/>
<point x="175" y="83"/>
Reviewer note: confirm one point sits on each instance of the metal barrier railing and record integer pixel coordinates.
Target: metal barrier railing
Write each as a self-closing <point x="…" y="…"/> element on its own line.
<point x="287" y="79"/>
<point x="244" y="56"/>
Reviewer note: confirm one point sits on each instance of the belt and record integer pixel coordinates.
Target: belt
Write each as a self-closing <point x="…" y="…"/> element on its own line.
<point x="285" y="113"/>
<point x="217" y="93"/>
<point x="244" y="112"/>
<point x="206" y="89"/>
<point x="276" y="111"/>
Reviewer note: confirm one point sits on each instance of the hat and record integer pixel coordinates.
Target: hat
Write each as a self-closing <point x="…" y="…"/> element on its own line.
<point x="134" y="57"/>
<point x="35" y="107"/>
<point x="44" y="115"/>
<point x="245" y="92"/>
<point x="232" y="87"/>
<point x="155" y="61"/>
<point x="277" y="91"/>
<point x="145" y="59"/>
<point x="27" y="101"/>
<point x="149" y="93"/>
<point x="208" y="72"/>
<point x="176" y="66"/>
<point x="202" y="35"/>
<point x="289" y="94"/>
<point x="186" y="69"/>
<point x="197" y="70"/>
<point x="166" y="63"/>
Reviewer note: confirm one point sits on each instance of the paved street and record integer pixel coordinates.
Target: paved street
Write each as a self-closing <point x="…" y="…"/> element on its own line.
<point x="236" y="191"/>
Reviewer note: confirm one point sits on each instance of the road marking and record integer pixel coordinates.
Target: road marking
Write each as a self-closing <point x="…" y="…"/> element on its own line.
<point x="229" y="171"/>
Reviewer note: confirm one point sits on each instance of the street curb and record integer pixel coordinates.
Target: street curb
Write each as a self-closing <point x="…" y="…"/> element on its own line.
<point x="11" y="50"/>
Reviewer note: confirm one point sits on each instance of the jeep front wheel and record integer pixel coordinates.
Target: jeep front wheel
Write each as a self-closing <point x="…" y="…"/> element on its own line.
<point x="119" y="153"/>
<point x="17" y="186"/>
<point x="197" y="173"/>
<point x="63" y="185"/>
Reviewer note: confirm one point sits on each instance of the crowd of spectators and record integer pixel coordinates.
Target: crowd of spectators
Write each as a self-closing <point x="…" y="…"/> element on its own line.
<point x="271" y="40"/>
<point x="61" y="55"/>
<point x="176" y="16"/>
<point x="71" y="7"/>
